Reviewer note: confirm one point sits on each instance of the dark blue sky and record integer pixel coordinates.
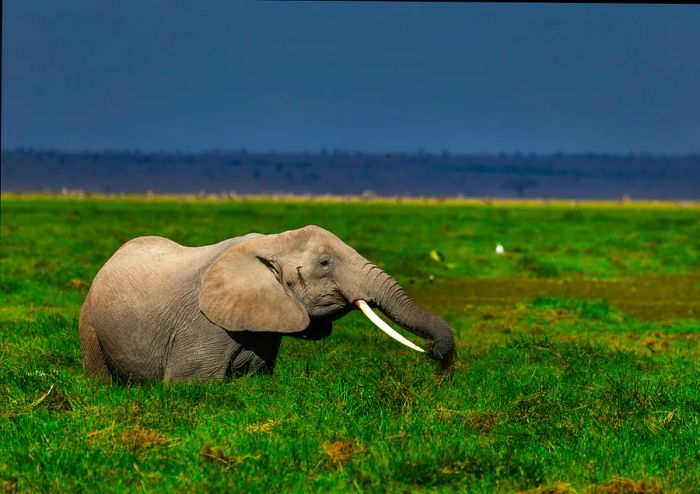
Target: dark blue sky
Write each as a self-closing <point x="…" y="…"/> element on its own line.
<point x="194" y="75"/>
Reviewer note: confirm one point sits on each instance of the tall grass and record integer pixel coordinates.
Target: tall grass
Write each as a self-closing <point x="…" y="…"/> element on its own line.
<point x="551" y="392"/>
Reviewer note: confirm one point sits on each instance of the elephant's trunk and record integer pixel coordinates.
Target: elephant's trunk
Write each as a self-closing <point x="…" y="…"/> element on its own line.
<point x="385" y="293"/>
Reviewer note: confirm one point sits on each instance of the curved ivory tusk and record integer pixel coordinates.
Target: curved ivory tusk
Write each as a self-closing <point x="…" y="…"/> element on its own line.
<point x="367" y="311"/>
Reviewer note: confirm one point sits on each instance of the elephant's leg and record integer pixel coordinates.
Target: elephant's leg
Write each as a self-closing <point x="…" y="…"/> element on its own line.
<point x="199" y="354"/>
<point x="94" y="361"/>
<point x="257" y="354"/>
<point x="213" y="354"/>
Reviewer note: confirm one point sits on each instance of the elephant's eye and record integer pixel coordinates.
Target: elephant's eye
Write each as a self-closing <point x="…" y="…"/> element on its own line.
<point x="324" y="263"/>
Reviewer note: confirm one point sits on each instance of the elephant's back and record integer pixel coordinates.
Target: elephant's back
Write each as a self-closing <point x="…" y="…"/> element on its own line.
<point x="140" y="270"/>
<point x="145" y="268"/>
<point x="144" y="292"/>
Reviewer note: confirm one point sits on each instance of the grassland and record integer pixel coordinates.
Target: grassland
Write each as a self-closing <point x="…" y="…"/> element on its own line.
<point x="578" y="365"/>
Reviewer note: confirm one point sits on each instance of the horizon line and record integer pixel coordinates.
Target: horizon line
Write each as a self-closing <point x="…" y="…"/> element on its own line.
<point x="326" y="151"/>
<point x="287" y="197"/>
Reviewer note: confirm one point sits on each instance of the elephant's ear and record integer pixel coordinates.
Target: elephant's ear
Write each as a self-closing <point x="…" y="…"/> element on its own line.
<point x="242" y="291"/>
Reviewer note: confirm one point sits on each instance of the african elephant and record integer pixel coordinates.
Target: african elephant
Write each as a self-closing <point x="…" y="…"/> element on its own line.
<point x="159" y="310"/>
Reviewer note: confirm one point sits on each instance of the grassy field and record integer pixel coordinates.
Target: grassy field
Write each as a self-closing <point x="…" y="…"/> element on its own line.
<point x="578" y="368"/>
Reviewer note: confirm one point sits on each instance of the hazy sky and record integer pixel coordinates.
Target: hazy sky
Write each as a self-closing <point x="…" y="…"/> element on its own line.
<point x="193" y="75"/>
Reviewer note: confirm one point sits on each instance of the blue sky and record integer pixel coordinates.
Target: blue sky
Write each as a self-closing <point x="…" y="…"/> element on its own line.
<point x="294" y="76"/>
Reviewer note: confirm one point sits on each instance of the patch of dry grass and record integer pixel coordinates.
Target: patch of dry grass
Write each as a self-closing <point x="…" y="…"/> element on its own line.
<point x="628" y="486"/>
<point x="138" y="438"/>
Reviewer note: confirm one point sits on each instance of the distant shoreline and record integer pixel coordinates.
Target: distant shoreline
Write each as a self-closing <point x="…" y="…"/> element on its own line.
<point x="519" y="176"/>
<point x="350" y="199"/>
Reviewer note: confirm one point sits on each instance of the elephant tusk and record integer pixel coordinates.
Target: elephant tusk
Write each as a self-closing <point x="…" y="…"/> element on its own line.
<point x="367" y="311"/>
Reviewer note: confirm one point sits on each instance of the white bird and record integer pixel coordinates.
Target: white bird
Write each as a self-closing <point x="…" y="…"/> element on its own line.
<point x="499" y="249"/>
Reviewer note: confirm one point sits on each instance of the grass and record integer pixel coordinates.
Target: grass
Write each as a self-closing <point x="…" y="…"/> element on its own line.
<point x="560" y="386"/>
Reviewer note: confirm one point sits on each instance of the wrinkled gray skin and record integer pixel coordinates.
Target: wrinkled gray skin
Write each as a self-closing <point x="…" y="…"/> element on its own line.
<point x="158" y="310"/>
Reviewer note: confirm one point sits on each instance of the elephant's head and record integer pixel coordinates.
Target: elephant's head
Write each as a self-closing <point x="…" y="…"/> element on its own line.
<point x="298" y="281"/>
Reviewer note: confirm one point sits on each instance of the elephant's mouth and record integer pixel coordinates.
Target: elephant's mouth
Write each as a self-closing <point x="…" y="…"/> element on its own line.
<point x="321" y="323"/>
<point x="328" y="307"/>
<point x="318" y="329"/>
<point x="327" y="310"/>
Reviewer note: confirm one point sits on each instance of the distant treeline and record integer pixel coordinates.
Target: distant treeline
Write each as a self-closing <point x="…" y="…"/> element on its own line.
<point x="584" y="176"/>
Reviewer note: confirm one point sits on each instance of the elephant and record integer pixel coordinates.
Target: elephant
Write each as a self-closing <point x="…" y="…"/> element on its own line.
<point x="157" y="310"/>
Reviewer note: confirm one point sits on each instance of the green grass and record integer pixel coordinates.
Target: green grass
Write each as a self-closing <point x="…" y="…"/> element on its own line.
<point x="560" y="382"/>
